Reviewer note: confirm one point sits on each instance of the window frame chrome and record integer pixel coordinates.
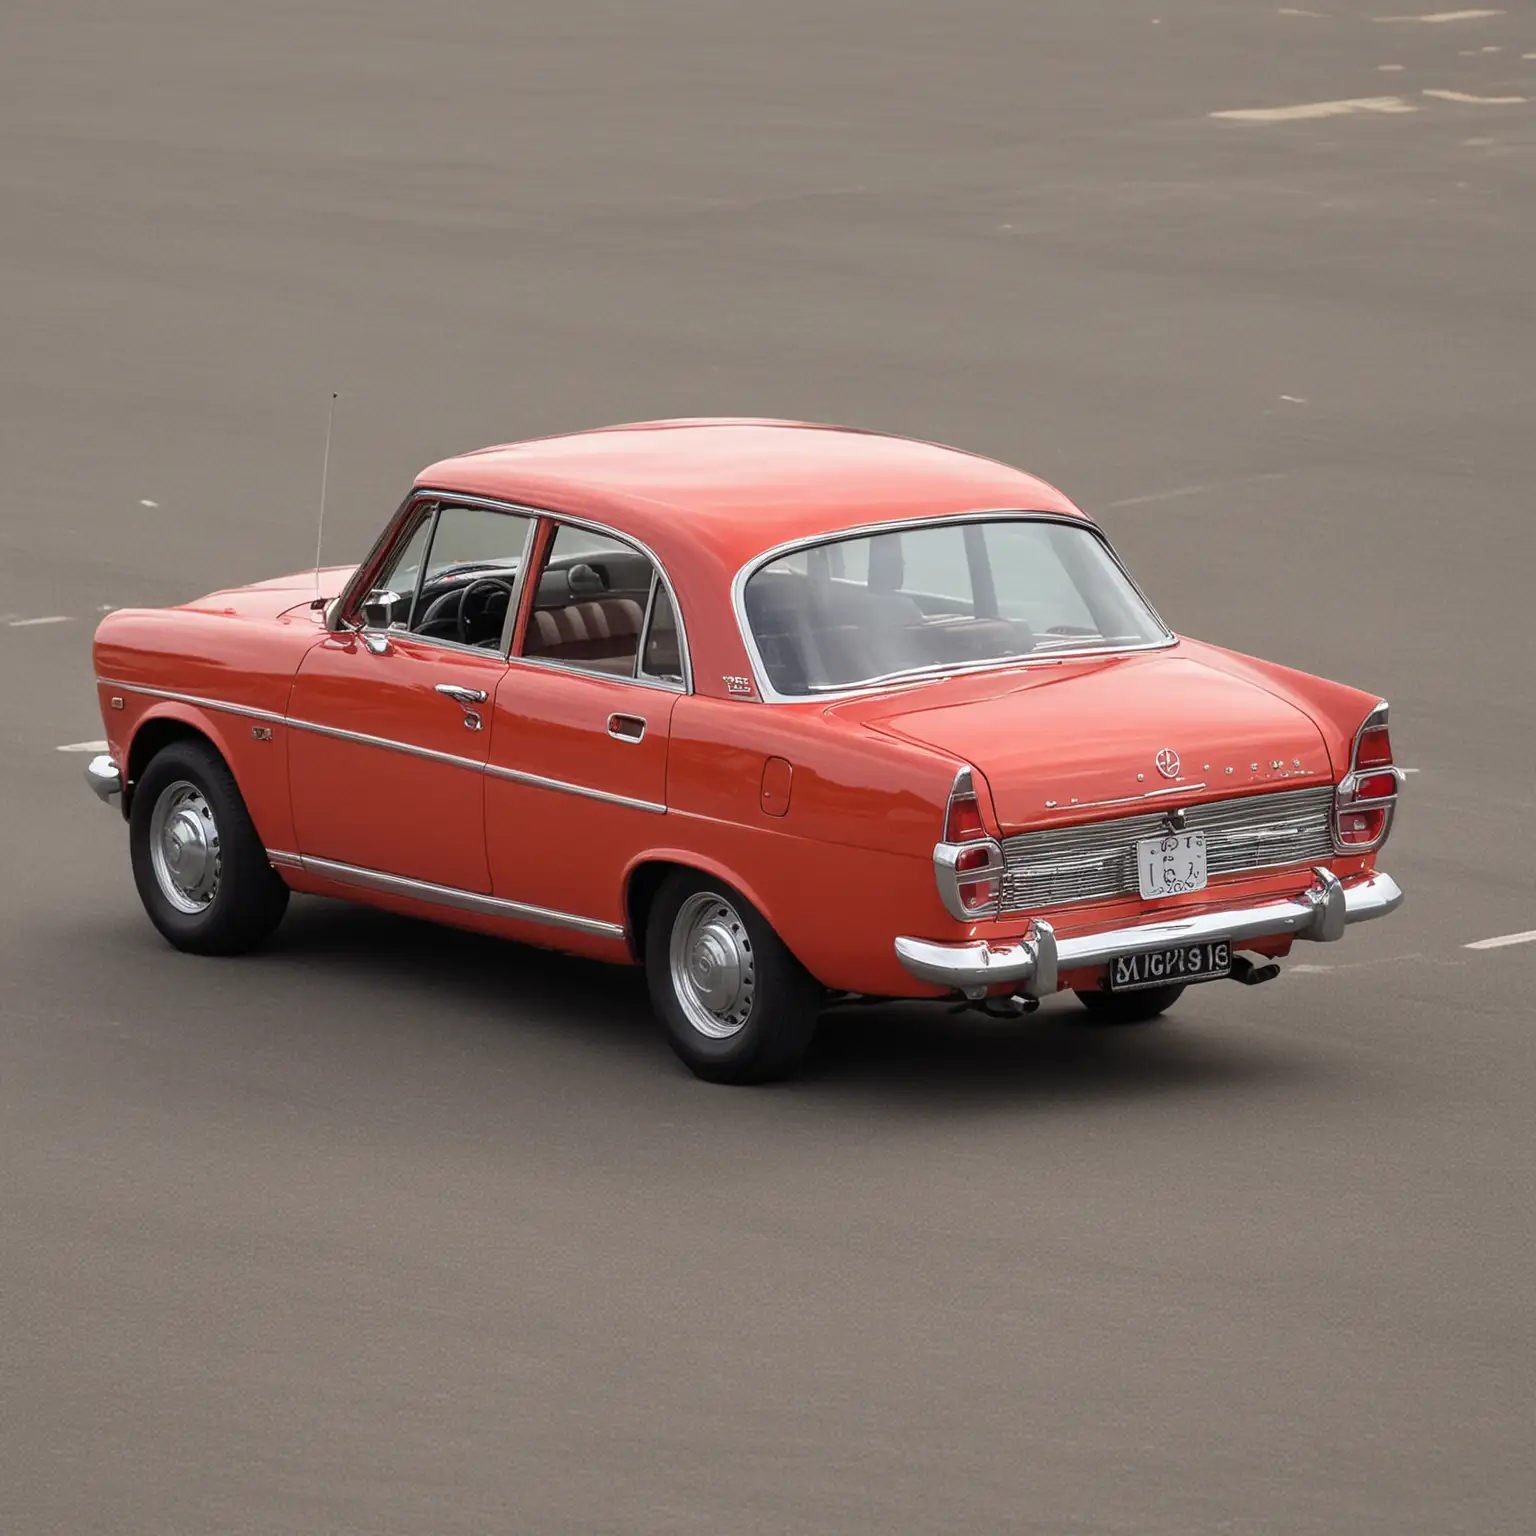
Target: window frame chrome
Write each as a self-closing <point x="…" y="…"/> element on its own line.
<point x="658" y="572"/>
<point x="768" y="694"/>
<point x="348" y="604"/>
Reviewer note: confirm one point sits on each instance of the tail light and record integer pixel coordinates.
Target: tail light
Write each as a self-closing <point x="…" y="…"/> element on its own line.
<point x="962" y="821"/>
<point x="1364" y="802"/>
<point x="968" y="863"/>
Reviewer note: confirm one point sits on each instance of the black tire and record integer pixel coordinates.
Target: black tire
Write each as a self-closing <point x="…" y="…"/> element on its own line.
<point x="246" y="897"/>
<point x="1113" y="1008"/>
<point x="770" y="1002"/>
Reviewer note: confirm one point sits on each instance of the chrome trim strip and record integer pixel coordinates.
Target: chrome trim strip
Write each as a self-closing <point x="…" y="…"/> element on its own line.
<point x="191" y="698"/>
<point x="1320" y="914"/>
<point x="279" y="859"/>
<point x="538" y="781"/>
<point x="570" y="669"/>
<point x="451" y="896"/>
<point x="550" y="515"/>
<point x="771" y="695"/>
<point x="1151" y="794"/>
<point x="474" y="765"/>
<point x="432" y="755"/>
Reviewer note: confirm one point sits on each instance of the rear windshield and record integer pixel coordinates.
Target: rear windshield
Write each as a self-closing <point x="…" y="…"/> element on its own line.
<point x="961" y="593"/>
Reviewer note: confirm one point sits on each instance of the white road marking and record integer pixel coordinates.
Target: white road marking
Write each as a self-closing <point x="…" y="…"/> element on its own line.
<point x="1389" y="68"/>
<point x="1189" y="490"/>
<point x="1504" y="939"/>
<point x="149" y="503"/>
<point x="1308" y="969"/>
<point x="1312" y="109"/>
<point x="1435" y="17"/>
<point x="1294" y="399"/>
<point x="52" y="618"/>
<point x="1480" y="101"/>
<point x="82" y="746"/>
<point x="1291" y="10"/>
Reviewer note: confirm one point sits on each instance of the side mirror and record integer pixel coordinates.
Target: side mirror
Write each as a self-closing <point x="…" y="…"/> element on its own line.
<point x="378" y="610"/>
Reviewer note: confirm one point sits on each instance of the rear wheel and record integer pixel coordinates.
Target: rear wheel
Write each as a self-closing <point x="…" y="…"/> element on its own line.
<point x="200" y="868"/>
<point x="1129" y="1007"/>
<point x="737" y="1006"/>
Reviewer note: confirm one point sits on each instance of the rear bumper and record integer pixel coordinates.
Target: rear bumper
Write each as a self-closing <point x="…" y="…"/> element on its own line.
<point x="1031" y="964"/>
<point x="101" y="773"/>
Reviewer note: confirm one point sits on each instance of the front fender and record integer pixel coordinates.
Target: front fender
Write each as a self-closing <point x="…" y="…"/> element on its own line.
<point x="258" y="762"/>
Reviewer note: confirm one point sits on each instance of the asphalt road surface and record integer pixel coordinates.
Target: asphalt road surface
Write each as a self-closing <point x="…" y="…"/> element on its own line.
<point x="389" y="1229"/>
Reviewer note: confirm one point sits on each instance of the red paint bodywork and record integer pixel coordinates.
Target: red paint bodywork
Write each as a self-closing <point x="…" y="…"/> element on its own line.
<point x="823" y="814"/>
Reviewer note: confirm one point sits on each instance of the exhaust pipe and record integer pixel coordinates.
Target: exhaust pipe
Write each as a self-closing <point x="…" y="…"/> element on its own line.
<point x="1251" y="975"/>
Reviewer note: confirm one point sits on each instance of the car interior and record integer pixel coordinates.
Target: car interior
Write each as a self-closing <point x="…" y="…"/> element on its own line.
<point x="857" y="610"/>
<point x="824" y="632"/>
<point x="589" y="610"/>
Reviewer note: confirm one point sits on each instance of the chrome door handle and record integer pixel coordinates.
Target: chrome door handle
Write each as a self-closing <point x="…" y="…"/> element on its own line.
<point x="626" y="727"/>
<point x="462" y="695"/>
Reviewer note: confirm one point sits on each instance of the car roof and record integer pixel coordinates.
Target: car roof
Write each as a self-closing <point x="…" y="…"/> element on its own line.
<point x="728" y="489"/>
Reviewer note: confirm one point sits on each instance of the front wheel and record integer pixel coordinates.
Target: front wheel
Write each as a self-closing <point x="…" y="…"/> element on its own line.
<point x="1130" y="1007"/>
<point x="737" y="1006"/>
<point x="201" y="870"/>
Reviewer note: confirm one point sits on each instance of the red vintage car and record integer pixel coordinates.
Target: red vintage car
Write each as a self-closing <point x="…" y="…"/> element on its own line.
<point x="785" y="713"/>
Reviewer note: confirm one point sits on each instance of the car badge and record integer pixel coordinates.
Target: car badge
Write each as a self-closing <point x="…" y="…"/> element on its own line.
<point x="1168" y="763"/>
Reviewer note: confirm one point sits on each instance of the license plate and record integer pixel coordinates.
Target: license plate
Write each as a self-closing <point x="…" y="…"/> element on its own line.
<point x="1172" y="864"/>
<point x="1160" y="967"/>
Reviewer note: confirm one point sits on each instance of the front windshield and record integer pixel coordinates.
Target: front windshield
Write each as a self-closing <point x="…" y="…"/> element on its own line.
<point x="932" y="598"/>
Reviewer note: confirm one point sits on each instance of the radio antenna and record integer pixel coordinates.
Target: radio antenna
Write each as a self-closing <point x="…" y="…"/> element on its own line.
<point x="325" y="471"/>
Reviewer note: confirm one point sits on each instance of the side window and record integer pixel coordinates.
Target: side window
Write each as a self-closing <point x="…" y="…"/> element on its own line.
<point x="452" y="579"/>
<point x="591" y="606"/>
<point x="663" y="654"/>
<point x="389" y="604"/>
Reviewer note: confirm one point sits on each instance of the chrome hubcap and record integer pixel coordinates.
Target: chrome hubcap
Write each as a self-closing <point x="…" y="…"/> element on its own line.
<point x="713" y="972"/>
<point x="184" y="848"/>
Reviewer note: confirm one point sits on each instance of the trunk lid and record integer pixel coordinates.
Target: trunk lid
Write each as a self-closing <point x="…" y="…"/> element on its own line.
<point x="1081" y="740"/>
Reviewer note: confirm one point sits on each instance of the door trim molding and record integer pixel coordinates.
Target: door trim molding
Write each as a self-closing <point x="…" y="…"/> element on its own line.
<point x="388" y="744"/>
<point x="538" y="781"/>
<point x="443" y="895"/>
<point x="223" y="705"/>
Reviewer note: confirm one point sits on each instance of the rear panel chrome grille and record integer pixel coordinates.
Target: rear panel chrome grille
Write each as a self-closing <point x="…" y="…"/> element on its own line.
<point x="1098" y="860"/>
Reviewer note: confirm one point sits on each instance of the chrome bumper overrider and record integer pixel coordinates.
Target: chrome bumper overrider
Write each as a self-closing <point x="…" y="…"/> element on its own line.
<point x="1032" y="964"/>
<point x="102" y="775"/>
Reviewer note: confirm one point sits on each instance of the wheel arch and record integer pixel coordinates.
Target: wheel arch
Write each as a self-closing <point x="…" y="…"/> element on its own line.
<point x="646" y="875"/>
<point x="156" y="730"/>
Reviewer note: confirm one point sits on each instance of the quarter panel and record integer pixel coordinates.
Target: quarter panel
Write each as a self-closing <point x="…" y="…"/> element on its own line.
<point x="850" y="863"/>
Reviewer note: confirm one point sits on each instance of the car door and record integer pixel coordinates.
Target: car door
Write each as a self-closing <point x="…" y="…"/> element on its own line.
<point x="390" y="724"/>
<point x="577" y="773"/>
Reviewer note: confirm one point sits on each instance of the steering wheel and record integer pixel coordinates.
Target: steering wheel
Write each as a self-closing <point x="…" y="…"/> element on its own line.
<point x="469" y="611"/>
